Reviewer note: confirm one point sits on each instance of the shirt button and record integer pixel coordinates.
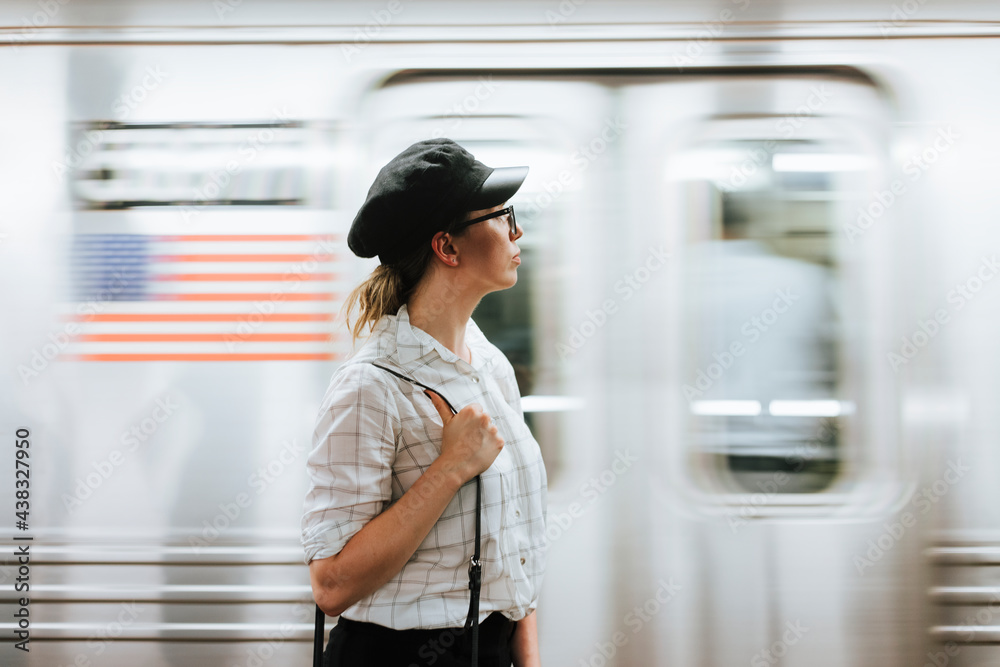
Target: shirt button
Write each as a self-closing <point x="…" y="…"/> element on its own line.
<point x="522" y="561"/>
<point x="517" y="513"/>
<point x="475" y="378"/>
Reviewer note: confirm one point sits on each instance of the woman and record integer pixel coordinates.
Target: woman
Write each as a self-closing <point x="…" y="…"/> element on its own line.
<point x="390" y="518"/>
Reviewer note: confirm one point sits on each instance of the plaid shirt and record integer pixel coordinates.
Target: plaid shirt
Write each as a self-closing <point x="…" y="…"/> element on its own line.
<point x="377" y="434"/>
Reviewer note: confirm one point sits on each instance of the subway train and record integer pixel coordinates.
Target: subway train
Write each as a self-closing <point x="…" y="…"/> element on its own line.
<point x="754" y="326"/>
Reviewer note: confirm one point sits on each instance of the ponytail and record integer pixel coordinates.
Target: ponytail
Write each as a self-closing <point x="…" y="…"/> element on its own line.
<point x="383" y="292"/>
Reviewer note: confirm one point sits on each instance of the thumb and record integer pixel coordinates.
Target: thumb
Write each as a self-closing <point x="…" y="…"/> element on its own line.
<point x="441" y="406"/>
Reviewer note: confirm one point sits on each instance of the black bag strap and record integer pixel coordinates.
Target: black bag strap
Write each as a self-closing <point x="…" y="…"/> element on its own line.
<point x="475" y="581"/>
<point x="475" y="565"/>
<point x="318" y="637"/>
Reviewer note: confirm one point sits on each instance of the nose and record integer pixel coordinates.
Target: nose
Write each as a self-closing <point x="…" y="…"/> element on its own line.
<point x="518" y="234"/>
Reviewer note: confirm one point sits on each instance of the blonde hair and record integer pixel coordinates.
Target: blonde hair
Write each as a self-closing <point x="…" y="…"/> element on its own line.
<point x="388" y="287"/>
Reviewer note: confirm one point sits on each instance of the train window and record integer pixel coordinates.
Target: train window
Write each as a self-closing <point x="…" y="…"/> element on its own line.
<point x="767" y="404"/>
<point x="194" y="165"/>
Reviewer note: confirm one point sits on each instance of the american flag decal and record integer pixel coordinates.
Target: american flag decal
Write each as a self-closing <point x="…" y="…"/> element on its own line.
<point x="204" y="297"/>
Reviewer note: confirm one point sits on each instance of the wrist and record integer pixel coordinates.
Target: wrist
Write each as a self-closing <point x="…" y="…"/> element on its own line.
<point x="444" y="473"/>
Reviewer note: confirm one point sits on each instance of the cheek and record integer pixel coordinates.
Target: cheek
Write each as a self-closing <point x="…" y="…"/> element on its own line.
<point x="501" y="258"/>
<point x="494" y="249"/>
<point x="498" y="255"/>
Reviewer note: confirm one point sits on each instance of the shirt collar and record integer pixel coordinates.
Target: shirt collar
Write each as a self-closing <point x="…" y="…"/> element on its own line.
<point x="413" y="344"/>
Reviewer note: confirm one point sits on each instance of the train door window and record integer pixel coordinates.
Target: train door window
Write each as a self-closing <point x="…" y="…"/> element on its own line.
<point x="771" y="397"/>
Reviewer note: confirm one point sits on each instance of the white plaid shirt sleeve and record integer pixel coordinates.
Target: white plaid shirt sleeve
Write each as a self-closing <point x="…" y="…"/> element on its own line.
<point x="350" y="465"/>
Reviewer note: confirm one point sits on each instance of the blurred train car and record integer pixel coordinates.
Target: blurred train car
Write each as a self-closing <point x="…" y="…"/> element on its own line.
<point x="754" y="325"/>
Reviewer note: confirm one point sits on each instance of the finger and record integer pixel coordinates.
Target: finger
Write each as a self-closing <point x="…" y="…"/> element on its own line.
<point x="441" y="406"/>
<point x="473" y="410"/>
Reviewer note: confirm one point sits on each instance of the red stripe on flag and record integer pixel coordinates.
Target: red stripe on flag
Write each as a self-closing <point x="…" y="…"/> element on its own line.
<point x="205" y="337"/>
<point x="201" y="317"/>
<point x="201" y="357"/>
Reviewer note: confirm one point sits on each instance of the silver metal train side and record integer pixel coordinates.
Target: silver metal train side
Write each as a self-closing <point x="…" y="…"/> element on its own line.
<point x="724" y="490"/>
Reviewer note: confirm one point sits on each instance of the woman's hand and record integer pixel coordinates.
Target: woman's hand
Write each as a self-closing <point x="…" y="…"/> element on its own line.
<point x="470" y="442"/>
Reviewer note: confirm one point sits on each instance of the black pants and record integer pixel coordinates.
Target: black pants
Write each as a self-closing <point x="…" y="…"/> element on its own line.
<point x="354" y="644"/>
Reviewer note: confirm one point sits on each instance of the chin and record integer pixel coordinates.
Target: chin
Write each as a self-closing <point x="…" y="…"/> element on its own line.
<point x="509" y="282"/>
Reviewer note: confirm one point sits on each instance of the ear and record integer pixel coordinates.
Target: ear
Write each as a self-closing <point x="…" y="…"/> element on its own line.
<point x="445" y="248"/>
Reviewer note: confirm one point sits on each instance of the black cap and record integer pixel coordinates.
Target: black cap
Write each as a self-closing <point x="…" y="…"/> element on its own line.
<point x="422" y="191"/>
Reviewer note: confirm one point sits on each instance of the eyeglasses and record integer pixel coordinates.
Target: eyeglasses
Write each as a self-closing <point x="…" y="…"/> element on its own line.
<point x="509" y="211"/>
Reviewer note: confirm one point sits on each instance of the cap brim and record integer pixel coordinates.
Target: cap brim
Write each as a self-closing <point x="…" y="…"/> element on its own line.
<point x="498" y="187"/>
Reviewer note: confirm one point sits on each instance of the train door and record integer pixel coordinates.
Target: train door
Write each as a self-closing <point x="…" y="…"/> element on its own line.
<point x="776" y="473"/>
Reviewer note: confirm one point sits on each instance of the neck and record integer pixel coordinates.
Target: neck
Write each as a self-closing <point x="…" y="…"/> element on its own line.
<point x="442" y="308"/>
